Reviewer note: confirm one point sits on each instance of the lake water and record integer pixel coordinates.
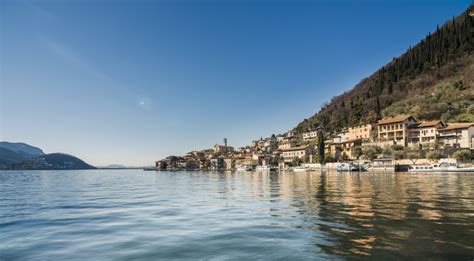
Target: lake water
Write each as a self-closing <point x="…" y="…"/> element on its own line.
<point x="132" y="214"/>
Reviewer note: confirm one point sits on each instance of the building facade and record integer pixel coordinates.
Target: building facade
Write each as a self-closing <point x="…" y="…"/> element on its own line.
<point x="459" y="135"/>
<point x="363" y="132"/>
<point x="424" y="133"/>
<point x="301" y="152"/>
<point x="394" y="131"/>
<point x="310" y="135"/>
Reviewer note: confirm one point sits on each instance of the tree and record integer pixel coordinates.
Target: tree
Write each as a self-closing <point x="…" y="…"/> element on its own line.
<point x="387" y="151"/>
<point x="434" y="155"/>
<point x="274" y="161"/>
<point x="316" y="158"/>
<point x="462" y="155"/>
<point x="329" y="158"/>
<point x="321" y="146"/>
<point x="438" y="57"/>
<point x="358" y="151"/>
<point x="371" y="152"/>
<point x="297" y="161"/>
<point x="413" y="156"/>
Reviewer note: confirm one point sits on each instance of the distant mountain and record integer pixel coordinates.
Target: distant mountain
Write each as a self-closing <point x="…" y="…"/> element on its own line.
<point x="8" y="157"/>
<point x="54" y="161"/>
<point x="21" y="148"/>
<point x="23" y="156"/>
<point x="432" y="80"/>
<point x="11" y="153"/>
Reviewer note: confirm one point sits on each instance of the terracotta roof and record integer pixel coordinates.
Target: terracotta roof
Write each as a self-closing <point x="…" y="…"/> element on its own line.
<point x="430" y="123"/>
<point x="394" y="119"/>
<point x="454" y="126"/>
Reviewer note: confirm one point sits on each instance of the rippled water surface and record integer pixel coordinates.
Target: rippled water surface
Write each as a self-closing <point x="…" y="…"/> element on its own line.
<point x="132" y="214"/>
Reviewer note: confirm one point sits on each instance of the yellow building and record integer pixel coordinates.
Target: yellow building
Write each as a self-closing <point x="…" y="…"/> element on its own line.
<point x="286" y="145"/>
<point x="345" y="149"/>
<point x="361" y="132"/>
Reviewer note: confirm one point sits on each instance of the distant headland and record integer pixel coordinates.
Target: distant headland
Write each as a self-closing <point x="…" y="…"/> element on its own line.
<point x="22" y="156"/>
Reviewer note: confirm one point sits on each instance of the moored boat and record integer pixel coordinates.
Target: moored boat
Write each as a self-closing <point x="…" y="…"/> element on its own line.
<point x="346" y="166"/>
<point x="265" y="168"/>
<point x="441" y="167"/>
<point x="244" y="168"/>
<point x="300" y="169"/>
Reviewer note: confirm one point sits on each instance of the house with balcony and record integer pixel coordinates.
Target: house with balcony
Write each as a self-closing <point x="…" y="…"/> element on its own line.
<point x="394" y="131"/>
<point x="424" y="133"/>
<point x="459" y="135"/>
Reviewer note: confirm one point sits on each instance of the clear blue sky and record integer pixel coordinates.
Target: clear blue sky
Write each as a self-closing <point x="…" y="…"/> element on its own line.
<point x="130" y="82"/>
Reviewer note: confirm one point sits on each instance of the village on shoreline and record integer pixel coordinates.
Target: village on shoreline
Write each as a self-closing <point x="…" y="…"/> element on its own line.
<point x="391" y="144"/>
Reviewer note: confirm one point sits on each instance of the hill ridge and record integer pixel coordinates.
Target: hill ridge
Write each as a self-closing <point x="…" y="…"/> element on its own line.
<point x="444" y="56"/>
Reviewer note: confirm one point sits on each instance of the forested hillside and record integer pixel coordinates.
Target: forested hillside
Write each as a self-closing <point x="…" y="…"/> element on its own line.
<point x="432" y="80"/>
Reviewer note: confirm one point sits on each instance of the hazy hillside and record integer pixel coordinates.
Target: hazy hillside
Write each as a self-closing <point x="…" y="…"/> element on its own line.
<point x="52" y="162"/>
<point x="21" y="148"/>
<point x="434" y="79"/>
<point x="8" y="157"/>
<point x="23" y="156"/>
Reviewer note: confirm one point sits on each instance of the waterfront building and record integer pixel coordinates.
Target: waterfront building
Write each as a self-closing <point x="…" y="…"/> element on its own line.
<point x="363" y="132"/>
<point x="345" y="149"/>
<point x="217" y="163"/>
<point x="328" y="148"/>
<point x="459" y="135"/>
<point x="425" y="132"/>
<point x="301" y="152"/>
<point x="246" y="160"/>
<point x="348" y="148"/>
<point x="192" y="164"/>
<point x="394" y="131"/>
<point x="229" y="163"/>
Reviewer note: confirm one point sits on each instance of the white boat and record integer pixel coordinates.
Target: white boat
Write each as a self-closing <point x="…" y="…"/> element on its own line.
<point x="262" y="168"/>
<point x="346" y="166"/>
<point x="442" y="167"/>
<point x="244" y="168"/>
<point x="265" y="168"/>
<point x="300" y="169"/>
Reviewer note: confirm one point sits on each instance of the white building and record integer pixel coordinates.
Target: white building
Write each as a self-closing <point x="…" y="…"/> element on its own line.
<point x="460" y="135"/>
<point x="342" y="136"/>
<point x="425" y="132"/>
<point x="310" y="135"/>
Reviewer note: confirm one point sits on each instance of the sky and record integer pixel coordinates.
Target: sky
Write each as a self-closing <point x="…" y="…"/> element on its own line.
<point x="131" y="82"/>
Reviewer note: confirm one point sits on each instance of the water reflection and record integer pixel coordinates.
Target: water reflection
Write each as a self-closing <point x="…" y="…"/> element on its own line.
<point x="377" y="214"/>
<point x="228" y="215"/>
